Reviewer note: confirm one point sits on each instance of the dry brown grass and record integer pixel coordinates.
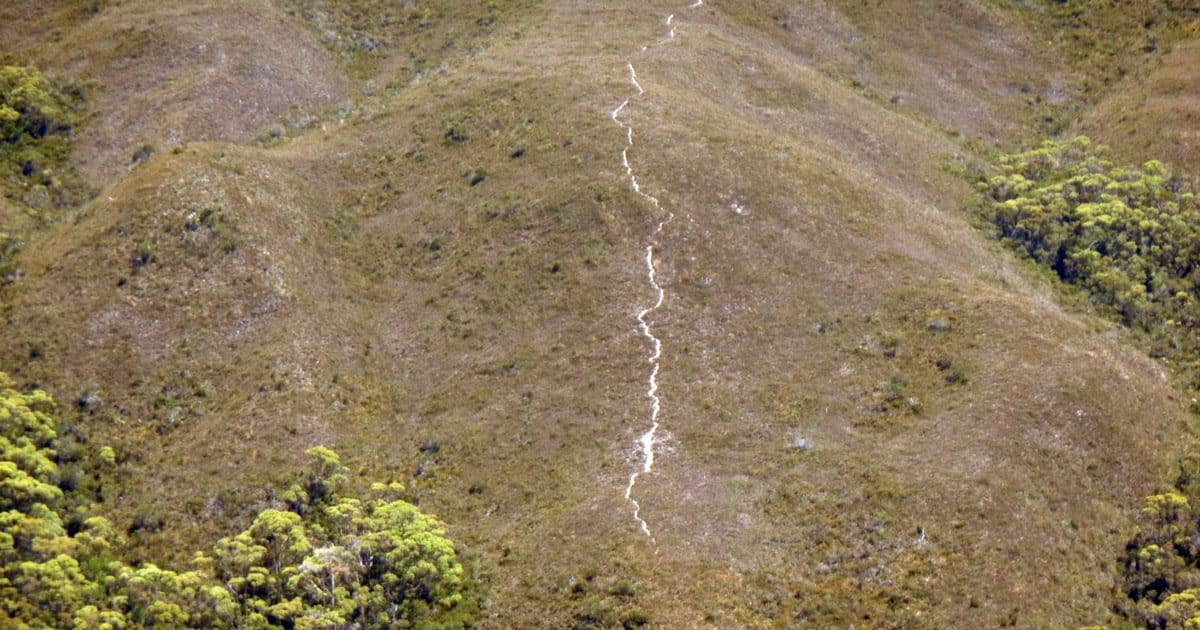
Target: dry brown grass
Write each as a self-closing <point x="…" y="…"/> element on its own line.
<point x="359" y="291"/>
<point x="178" y="72"/>
<point x="1152" y="114"/>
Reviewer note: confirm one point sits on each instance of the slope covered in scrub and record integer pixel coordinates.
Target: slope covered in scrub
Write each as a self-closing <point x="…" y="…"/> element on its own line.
<point x="410" y="232"/>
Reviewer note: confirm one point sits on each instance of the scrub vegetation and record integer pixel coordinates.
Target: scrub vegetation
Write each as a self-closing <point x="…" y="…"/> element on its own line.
<point x="1129" y="237"/>
<point x="242" y="237"/>
<point x="1160" y="569"/>
<point x="37" y="179"/>
<point x="317" y="559"/>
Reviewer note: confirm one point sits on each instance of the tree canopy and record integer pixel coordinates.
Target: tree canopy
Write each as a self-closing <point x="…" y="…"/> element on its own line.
<point x="318" y="559"/>
<point x="29" y="104"/>
<point x="1129" y="237"/>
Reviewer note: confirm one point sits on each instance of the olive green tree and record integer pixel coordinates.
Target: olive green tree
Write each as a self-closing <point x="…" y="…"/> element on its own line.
<point x="29" y="104"/>
<point x="1128" y="237"/>
<point x="319" y="559"/>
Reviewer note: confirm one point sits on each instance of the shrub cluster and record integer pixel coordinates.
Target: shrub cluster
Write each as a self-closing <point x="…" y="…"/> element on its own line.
<point x="29" y="105"/>
<point x="315" y="560"/>
<point x="1130" y="237"/>
<point x="37" y="117"/>
<point x="1161" y="568"/>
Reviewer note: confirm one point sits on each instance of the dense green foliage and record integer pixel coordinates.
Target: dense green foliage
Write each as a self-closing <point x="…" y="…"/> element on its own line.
<point x="1161" y="568"/>
<point x="315" y="560"/>
<point x="29" y="105"/>
<point x="37" y="117"/>
<point x="1130" y="237"/>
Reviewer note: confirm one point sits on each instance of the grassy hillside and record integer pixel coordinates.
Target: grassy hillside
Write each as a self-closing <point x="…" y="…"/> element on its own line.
<point x="1152" y="113"/>
<point x="407" y="233"/>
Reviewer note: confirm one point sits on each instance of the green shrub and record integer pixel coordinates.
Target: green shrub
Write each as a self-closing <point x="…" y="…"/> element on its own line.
<point x="37" y="117"/>
<point x="29" y="105"/>
<point x="635" y="618"/>
<point x="896" y="395"/>
<point x="624" y="588"/>
<point x="1161" y="568"/>
<point x="1129" y="237"/>
<point x="322" y="560"/>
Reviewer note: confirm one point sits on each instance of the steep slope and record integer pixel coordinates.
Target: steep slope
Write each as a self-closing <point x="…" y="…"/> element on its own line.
<point x="24" y="24"/>
<point x="1134" y="64"/>
<point x="176" y="72"/>
<point x="1152" y="113"/>
<point x="447" y="291"/>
